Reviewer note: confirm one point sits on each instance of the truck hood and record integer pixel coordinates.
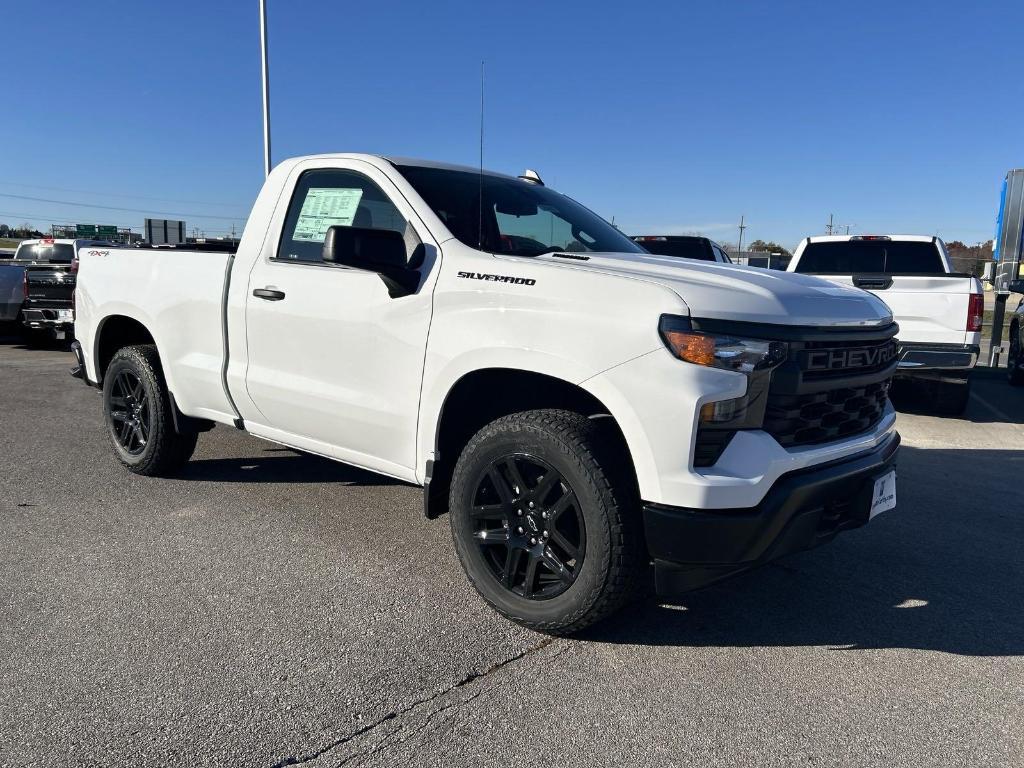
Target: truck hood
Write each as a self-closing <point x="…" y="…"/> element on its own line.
<point x="750" y="294"/>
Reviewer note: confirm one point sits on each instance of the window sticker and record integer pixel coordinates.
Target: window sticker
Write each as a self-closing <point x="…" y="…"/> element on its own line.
<point x="326" y="207"/>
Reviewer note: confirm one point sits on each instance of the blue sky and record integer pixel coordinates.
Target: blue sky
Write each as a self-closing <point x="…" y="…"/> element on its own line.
<point x="669" y="116"/>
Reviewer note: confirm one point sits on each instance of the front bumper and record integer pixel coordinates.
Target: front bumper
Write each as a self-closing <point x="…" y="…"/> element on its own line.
<point x="915" y="356"/>
<point x="692" y="547"/>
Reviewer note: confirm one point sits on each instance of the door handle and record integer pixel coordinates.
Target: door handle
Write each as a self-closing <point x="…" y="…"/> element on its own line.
<point x="268" y="294"/>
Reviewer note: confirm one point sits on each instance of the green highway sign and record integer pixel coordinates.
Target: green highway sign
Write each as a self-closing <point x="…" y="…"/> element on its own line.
<point x="105" y="231"/>
<point x="86" y="230"/>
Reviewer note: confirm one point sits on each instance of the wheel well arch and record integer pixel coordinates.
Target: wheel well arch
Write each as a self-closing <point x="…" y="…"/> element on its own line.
<point x="116" y="332"/>
<point x="483" y="395"/>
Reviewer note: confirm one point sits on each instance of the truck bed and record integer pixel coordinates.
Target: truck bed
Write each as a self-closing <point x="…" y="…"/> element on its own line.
<point x="178" y="294"/>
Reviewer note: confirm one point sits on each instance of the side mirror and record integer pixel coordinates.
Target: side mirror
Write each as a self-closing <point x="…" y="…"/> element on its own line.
<point x="1015" y="286"/>
<point x="375" y="250"/>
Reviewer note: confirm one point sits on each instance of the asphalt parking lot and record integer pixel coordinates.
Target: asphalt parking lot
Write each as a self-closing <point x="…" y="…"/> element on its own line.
<point x="270" y="608"/>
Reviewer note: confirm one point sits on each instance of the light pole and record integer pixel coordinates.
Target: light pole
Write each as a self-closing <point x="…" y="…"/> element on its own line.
<point x="266" y="88"/>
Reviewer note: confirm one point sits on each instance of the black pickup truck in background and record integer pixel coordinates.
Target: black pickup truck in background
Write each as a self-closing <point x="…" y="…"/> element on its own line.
<point x="48" y="309"/>
<point x="684" y="247"/>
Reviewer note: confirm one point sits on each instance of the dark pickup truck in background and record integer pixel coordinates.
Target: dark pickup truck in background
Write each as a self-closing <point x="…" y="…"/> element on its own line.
<point x="683" y="247"/>
<point x="37" y="287"/>
<point x="47" y="312"/>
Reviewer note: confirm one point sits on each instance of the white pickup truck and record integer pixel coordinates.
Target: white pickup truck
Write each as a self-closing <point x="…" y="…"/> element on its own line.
<point x="585" y="412"/>
<point x="939" y="312"/>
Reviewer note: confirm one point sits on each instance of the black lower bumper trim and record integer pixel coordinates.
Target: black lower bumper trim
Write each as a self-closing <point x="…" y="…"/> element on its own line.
<point x="691" y="548"/>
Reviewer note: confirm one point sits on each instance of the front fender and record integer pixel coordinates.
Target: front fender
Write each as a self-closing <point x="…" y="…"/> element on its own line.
<point x="440" y="385"/>
<point x="655" y="399"/>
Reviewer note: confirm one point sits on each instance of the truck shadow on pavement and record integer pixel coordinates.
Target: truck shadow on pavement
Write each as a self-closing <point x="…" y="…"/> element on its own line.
<point x="942" y="572"/>
<point x="283" y="466"/>
<point x="993" y="400"/>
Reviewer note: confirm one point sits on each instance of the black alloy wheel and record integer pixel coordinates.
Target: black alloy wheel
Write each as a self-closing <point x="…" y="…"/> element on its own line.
<point x="529" y="526"/>
<point x="545" y="517"/>
<point x="138" y="414"/>
<point x="130" y="412"/>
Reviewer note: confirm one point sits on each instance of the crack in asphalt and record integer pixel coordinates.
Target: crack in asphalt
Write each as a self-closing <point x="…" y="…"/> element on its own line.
<point x="390" y="741"/>
<point x="470" y="678"/>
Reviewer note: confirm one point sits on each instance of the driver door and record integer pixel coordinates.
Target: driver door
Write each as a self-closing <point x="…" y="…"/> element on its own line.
<point x="334" y="362"/>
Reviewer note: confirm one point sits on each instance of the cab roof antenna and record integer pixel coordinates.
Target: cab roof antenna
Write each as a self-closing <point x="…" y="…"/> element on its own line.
<point x="480" y="183"/>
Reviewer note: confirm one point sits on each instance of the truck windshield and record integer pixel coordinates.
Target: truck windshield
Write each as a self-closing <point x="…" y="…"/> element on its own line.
<point x="897" y="257"/>
<point x="519" y="218"/>
<point x="61" y="253"/>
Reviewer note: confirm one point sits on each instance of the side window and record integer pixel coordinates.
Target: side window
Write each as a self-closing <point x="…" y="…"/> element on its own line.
<point x="333" y="197"/>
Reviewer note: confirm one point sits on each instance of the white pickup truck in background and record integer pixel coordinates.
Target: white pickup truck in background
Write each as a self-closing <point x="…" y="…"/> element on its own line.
<point x="939" y="312"/>
<point x="581" y="409"/>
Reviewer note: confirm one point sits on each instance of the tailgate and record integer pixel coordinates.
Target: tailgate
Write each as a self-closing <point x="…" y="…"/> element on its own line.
<point x="928" y="308"/>
<point x="49" y="286"/>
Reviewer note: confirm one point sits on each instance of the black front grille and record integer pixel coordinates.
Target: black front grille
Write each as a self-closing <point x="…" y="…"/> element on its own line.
<point x="830" y="389"/>
<point x="838" y="359"/>
<point x="820" y="417"/>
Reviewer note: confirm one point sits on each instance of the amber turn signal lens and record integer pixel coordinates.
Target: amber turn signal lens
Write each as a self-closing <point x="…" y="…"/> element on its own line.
<point x="692" y="347"/>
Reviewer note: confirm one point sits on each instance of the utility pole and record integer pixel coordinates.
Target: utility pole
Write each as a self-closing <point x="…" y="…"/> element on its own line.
<point x="266" y="88"/>
<point x="739" y="245"/>
<point x="829" y="226"/>
<point x="847" y="229"/>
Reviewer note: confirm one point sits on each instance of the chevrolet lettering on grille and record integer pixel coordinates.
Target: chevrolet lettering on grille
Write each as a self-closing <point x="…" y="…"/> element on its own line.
<point x="855" y="357"/>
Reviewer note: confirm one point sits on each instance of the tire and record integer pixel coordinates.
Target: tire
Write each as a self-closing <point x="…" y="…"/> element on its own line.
<point x="1014" y="374"/>
<point x="137" y="414"/>
<point x="567" y="467"/>
<point x="951" y="397"/>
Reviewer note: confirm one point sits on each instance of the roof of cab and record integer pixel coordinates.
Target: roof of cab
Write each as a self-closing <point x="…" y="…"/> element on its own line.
<point x="396" y="161"/>
<point x="49" y="241"/>
<point x="846" y="238"/>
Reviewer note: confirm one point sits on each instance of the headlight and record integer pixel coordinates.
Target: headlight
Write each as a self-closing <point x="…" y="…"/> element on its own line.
<point x="755" y="358"/>
<point x="718" y="350"/>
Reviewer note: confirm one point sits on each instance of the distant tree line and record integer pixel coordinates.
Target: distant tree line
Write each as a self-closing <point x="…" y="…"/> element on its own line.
<point x="760" y="246"/>
<point x="969" y="259"/>
<point x="22" y="231"/>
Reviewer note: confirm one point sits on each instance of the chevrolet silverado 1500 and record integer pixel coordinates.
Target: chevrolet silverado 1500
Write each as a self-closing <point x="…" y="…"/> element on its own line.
<point x="583" y="411"/>
<point x="939" y="312"/>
